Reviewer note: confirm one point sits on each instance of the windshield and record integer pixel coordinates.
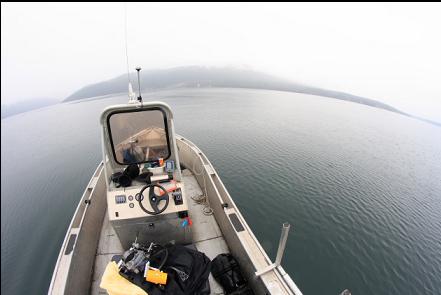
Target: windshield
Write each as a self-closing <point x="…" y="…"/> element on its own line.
<point x="139" y="136"/>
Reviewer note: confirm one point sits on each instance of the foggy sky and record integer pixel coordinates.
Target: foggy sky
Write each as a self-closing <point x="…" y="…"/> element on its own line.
<point x="388" y="52"/>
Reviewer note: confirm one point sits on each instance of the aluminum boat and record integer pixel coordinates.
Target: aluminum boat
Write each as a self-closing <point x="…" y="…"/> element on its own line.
<point x="112" y="212"/>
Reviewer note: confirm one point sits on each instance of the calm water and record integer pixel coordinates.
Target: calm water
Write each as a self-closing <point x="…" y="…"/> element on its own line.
<point x="360" y="186"/>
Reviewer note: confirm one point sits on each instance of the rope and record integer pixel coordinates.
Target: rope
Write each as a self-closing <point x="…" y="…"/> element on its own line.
<point x="202" y="199"/>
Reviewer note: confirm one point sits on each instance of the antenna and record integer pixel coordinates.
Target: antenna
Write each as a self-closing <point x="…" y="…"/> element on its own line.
<point x="138" y="69"/>
<point x="130" y="93"/>
<point x="126" y="41"/>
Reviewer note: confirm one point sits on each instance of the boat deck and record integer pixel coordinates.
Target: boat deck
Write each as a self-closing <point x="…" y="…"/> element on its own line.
<point x="207" y="237"/>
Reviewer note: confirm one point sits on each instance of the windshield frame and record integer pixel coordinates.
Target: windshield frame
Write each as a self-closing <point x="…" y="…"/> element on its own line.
<point x="164" y="115"/>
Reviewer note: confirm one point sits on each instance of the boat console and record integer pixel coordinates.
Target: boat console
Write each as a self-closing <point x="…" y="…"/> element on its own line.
<point x="146" y="198"/>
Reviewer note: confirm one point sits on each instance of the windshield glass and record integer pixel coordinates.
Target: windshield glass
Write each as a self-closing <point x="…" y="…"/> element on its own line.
<point x="139" y="137"/>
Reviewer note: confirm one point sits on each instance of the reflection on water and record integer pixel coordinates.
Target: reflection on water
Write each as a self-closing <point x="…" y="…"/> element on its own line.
<point x="360" y="186"/>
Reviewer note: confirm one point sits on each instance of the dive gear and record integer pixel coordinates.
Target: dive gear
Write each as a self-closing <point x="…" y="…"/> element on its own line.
<point x="225" y="269"/>
<point x="125" y="178"/>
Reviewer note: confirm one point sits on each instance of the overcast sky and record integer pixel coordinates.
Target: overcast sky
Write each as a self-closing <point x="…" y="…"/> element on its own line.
<point x="388" y="52"/>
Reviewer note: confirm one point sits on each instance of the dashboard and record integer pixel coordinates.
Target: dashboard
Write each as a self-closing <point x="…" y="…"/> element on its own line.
<point x="124" y="203"/>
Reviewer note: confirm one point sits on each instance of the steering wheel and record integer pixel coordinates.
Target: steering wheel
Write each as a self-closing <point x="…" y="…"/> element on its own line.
<point x="154" y="199"/>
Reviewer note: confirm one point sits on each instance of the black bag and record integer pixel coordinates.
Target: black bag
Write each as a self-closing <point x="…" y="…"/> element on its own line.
<point x="187" y="273"/>
<point x="125" y="178"/>
<point x="225" y="269"/>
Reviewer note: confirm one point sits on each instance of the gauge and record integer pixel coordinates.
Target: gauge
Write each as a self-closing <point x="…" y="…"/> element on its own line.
<point x="137" y="197"/>
<point x="120" y="199"/>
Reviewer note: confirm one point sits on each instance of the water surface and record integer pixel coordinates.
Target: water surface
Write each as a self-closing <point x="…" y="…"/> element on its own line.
<point x="360" y="186"/>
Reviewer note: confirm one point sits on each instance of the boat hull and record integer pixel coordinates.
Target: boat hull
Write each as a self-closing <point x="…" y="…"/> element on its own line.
<point x="74" y="269"/>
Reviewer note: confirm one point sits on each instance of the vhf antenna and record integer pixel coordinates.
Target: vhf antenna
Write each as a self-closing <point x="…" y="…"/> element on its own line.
<point x="138" y="69"/>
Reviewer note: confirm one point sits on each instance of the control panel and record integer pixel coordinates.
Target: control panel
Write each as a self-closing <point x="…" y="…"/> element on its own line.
<point x="123" y="204"/>
<point x="177" y="197"/>
<point x="169" y="167"/>
<point x="120" y="199"/>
